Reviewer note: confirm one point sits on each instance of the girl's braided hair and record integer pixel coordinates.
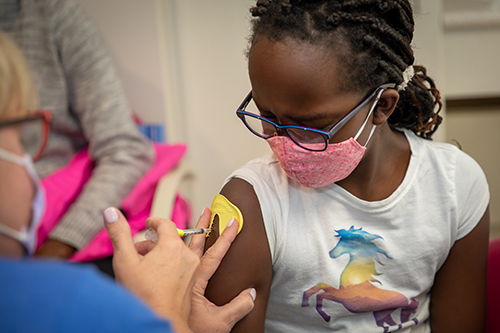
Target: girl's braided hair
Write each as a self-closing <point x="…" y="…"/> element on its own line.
<point x="372" y="40"/>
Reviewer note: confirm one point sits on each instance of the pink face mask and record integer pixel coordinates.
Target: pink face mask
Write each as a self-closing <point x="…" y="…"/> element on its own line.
<point x="319" y="168"/>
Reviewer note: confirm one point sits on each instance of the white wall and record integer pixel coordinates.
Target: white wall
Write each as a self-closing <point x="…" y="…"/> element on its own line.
<point x="472" y="68"/>
<point x="472" y="44"/>
<point x="211" y="40"/>
<point x="429" y="48"/>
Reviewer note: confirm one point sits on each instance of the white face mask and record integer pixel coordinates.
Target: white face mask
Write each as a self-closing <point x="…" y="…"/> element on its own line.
<point x="28" y="234"/>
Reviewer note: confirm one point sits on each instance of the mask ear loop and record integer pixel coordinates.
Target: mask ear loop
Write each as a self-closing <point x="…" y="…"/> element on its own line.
<point x="7" y="155"/>
<point x="24" y="235"/>
<point x="368" y="117"/>
<point x="24" y="161"/>
<point x="20" y="236"/>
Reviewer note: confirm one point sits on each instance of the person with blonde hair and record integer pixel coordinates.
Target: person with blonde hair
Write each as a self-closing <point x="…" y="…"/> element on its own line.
<point x="77" y="82"/>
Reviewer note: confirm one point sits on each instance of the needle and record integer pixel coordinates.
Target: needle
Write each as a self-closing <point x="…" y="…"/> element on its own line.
<point x="153" y="236"/>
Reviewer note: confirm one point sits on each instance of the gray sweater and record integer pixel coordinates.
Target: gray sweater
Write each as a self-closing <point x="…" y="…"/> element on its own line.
<point x="77" y="82"/>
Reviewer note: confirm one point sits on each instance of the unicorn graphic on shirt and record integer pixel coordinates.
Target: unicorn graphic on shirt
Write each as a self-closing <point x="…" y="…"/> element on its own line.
<point x="357" y="292"/>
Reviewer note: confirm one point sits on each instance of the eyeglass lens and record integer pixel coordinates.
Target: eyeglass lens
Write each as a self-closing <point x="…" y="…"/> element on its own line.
<point x="305" y="138"/>
<point x="260" y="127"/>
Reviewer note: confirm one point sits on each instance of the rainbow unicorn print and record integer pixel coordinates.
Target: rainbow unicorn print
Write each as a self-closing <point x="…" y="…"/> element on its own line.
<point x="356" y="291"/>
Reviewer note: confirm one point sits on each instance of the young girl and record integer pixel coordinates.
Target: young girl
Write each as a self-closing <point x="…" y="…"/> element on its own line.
<point x="357" y="222"/>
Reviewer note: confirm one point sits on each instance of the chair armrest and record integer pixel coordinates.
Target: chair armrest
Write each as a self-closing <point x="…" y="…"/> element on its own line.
<point x="165" y="193"/>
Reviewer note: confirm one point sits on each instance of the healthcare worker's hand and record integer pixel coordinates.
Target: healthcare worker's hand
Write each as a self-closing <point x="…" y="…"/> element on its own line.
<point x="161" y="274"/>
<point x="206" y="316"/>
<point x="167" y="272"/>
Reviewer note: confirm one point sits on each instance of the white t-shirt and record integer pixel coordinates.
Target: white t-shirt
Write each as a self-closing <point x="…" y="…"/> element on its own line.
<point x="349" y="265"/>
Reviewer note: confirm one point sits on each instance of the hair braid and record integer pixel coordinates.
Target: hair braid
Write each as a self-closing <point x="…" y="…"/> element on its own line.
<point x="389" y="68"/>
<point x="384" y="6"/>
<point x="388" y="53"/>
<point x="372" y="41"/>
<point x="384" y="28"/>
<point x="420" y="113"/>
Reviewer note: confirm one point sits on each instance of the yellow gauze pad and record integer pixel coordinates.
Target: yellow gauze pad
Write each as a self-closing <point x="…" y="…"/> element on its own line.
<point x="225" y="210"/>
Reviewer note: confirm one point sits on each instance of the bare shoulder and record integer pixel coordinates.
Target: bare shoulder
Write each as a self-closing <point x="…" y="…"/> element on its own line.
<point x="248" y="262"/>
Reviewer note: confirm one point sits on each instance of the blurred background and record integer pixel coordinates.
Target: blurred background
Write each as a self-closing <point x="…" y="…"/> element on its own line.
<point x="183" y="67"/>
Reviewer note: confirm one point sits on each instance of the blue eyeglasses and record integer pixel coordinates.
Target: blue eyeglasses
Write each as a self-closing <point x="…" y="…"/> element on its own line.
<point x="305" y="137"/>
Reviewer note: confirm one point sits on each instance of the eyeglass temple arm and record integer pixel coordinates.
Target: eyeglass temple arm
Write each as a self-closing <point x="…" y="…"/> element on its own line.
<point x="40" y="114"/>
<point x="20" y="121"/>
<point x="245" y="101"/>
<point x="348" y="116"/>
<point x="47" y="116"/>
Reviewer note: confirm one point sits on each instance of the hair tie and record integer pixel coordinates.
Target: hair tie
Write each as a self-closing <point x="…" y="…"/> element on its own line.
<point x="407" y="76"/>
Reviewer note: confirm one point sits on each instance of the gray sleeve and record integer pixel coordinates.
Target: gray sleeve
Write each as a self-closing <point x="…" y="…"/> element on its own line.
<point x="122" y="155"/>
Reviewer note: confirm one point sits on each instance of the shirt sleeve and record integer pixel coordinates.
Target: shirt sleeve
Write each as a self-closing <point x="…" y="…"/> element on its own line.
<point x="121" y="153"/>
<point x="255" y="174"/>
<point x="472" y="193"/>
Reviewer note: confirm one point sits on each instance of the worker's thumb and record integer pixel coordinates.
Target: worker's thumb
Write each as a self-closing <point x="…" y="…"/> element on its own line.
<point x="238" y="308"/>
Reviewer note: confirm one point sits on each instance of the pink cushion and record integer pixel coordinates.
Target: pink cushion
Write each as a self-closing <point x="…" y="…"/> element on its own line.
<point x="63" y="187"/>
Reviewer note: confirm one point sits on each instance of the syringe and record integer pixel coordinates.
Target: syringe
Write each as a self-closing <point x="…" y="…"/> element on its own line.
<point x="153" y="236"/>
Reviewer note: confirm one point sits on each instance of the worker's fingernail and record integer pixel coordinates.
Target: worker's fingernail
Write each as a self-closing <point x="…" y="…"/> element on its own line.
<point x="253" y="292"/>
<point x="231" y="221"/>
<point x="203" y="211"/>
<point x="110" y="215"/>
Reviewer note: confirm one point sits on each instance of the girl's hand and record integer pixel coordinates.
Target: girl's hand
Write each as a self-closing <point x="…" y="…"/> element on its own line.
<point x="55" y="249"/>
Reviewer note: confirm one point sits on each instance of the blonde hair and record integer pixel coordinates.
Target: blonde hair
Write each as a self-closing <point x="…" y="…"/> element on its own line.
<point x="16" y="84"/>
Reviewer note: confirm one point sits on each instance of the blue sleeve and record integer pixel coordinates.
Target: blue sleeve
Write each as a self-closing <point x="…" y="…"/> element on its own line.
<point x="53" y="297"/>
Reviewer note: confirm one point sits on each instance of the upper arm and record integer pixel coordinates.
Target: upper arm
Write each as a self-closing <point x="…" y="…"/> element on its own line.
<point x="458" y="296"/>
<point x="248" y="262"/>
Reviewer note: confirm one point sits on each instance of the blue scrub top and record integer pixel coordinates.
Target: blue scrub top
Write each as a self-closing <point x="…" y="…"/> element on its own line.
<point x="43" y="296"/>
